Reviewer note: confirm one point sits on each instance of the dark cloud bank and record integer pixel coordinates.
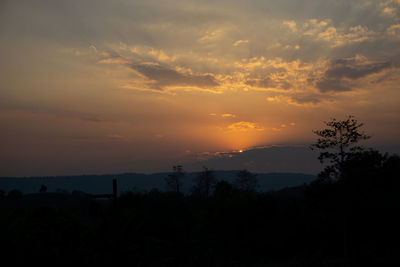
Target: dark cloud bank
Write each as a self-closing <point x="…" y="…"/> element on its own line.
<point x="168" y="77"/>
<point x="342" y="71"/>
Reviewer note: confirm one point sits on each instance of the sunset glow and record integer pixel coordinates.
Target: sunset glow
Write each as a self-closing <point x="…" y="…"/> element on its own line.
<point x="118" y="86"/>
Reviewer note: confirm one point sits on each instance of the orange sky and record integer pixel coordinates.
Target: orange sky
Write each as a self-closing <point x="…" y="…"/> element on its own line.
<point x="96" y="87"/>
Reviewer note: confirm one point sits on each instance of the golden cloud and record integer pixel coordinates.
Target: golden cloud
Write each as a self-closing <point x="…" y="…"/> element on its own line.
<point x="245" y="126"/>
<point x="394" y="30"/>
<point x="227" y="115"/>
<point x="324" y="31"/>
<point x="239" y="42"/>
<point x="390" y="8"/>
<point x="161" y="56"/>
<point x="291" y="24"/>
<point x="116" y="60"/>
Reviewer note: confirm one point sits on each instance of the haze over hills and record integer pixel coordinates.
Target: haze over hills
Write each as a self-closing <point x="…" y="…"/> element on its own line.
<point x="282" y="159"/>
<point x="276" y="159"/>
<point x="265" y="159"/>
<point x="100" y="184"/>
<point x="262" y="159"/>
<point x="277" y="167"/>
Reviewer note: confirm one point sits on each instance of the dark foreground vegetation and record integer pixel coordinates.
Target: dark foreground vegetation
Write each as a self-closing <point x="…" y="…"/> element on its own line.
<point x="348" y="217"/>
<point x="354" y="220"/>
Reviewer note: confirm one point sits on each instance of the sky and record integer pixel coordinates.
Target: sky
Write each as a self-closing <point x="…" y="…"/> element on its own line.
<point x="138" y="86"/>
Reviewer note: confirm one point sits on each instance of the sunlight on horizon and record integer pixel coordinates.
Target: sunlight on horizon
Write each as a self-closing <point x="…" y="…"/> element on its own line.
<point x="96" y="86"/>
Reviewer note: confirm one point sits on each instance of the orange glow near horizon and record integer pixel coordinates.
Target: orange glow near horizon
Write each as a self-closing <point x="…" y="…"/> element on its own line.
<point x="148" y="86"/>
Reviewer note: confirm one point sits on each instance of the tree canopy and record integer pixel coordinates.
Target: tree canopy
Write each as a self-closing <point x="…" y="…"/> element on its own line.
<point x="337" y="142"/>
<point x="246" y="181"/>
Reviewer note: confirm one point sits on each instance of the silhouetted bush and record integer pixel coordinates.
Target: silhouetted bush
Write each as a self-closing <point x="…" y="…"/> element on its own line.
<point x="14" y="194"/>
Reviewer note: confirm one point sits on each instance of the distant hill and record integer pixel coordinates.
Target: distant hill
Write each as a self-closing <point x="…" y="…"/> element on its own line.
<point x="100" y="184"/>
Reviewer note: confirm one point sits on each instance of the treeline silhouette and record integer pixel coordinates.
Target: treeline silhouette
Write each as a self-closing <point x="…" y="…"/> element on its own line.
<point x="352" y="220"/>
<point x="347" y="217"/>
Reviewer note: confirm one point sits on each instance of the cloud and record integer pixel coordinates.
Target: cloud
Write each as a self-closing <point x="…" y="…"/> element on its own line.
<point x="354" y="34"/>
<point x="299" y="99"/>
<point x="329" y="85"/>
<point x="304" y="99"/>
<point x="291" y="24"/>
<point x="161" y="56"/>
<point x="263" y="83"/>
<point x="269" y="83"/>
<point x="239" y="42"/>
<point x="211" y="36"/>
<point x="275" y="74"/>
<point x="390" y="8"/>
<point x="245" y="126"/>
<point x="164" y="77"/>
<point x="264" y="159"/>
<point x="113" y="60"/>
<point x="156" y="70"/>
<point x="312" y="27"/>
<point x="343" y="72"/>
<point x="310" y="84"/>
<point x="394" y="30"/>
<point x="324" y="30"/>
<point x="353" y="68"/>
<point x="228" y="115"/>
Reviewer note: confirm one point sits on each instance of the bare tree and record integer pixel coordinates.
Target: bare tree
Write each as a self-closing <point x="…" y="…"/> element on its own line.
<point x="174" y="179"/>
<point x="204" y="183"/>
<point x="337" y="143"/>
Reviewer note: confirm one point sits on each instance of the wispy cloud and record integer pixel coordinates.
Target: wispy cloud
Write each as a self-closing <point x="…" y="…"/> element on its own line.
<point x="113" y="60"/>
<point x="240" y="42"/>
<point x="228" y="115"/>
<point x="324" y="30"/>
<point x="245" y="126"/>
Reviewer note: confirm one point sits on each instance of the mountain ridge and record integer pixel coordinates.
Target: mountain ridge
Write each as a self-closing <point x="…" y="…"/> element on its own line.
<point x="102" y="183"/>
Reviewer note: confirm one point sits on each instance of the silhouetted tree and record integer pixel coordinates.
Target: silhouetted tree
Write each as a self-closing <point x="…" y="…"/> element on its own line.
<point x="204" y="183"/>
<point x="174" y="180"/>
<point x="337" y="143"/>
<point x="371" y="172"/>
<point x="246" y="181"/>
<point x="43" y="189"/>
